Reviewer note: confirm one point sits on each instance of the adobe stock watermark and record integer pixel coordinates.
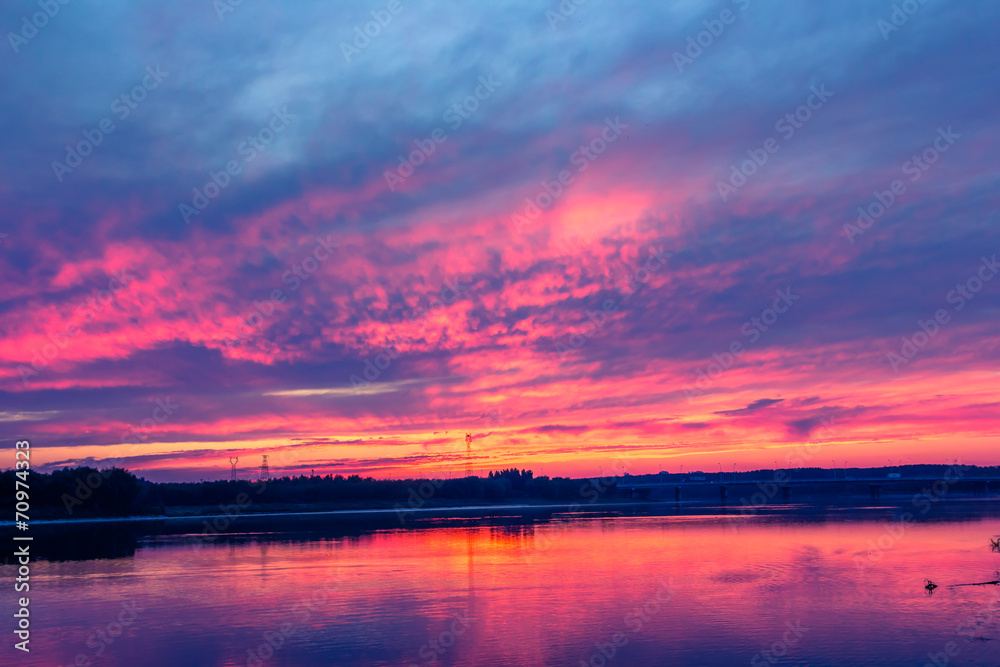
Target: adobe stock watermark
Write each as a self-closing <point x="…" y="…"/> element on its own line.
<point x="294" y="277"/>
<point x="30" y="27"/>
<point x="374" y="366"/>
<point x="60" y="339"/>
<point x="103" y="638"/>
<point x="768" y="490"/>
<point x="494" y="418"/>
<point x="432" y="651"/>
<point x="248" y="149"/>
<point x="455" y="116"/>
<point x="301" y="612"/>
<point x="564" y="10"/>
<point x="417" y="498"/>
<point x="85" y="486"/>
<point x="634" y="622"/>
<point x="780" y="648"/>
<point x="899" y="17"/>
<point x="922" y="502"/>
<point x="223" y="7"/>
<point x="753" y="329"/>
<point x="915" y="168"/>
<point x="581" y="158"/>
<point x="973" y="626"/>
<point x="703" y="39"/>
<point x="363" y="35"/>
<point x="122" y="107"/>
<point x="959" y="297"/>
<point x="592" y="489"/>
<point x="230" y="513"/>
<point x="597" y="319"/>
<point x="786" y="126"/>
<point x="164" y="409"/>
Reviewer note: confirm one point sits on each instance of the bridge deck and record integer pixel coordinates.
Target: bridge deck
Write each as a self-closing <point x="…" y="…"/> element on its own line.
<point x="791" y="481"/>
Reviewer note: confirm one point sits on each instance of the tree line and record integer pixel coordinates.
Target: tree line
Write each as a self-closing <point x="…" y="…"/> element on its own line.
<point x="90" y="492"/>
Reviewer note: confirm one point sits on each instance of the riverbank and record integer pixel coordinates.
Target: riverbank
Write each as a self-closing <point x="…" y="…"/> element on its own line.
<point x="403" y="514"/>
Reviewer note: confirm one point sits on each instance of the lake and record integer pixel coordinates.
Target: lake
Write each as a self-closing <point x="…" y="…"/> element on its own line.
<point x="657" y="584"/>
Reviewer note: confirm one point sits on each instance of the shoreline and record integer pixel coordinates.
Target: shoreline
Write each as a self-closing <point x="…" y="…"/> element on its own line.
<point x="378" y="511"/>
<point x="484" y="511"/>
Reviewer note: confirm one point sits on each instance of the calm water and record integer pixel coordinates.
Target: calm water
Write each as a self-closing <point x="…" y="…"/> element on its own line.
<point x="653" y="585"/>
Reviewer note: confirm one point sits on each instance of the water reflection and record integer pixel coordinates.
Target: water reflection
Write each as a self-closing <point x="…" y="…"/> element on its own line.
<point x="630" y="587"/>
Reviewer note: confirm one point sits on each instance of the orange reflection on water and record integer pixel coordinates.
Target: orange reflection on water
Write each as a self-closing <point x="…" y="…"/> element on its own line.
<point x="647" y="589"/>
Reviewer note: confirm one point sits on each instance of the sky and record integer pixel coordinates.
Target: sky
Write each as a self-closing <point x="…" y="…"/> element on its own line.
<point x="598" y="237"/>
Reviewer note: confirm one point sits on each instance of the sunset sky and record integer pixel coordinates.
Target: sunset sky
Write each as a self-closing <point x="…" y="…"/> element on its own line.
<point x="586" y="239"/>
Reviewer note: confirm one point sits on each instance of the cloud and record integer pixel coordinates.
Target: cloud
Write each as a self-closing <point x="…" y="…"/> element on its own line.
<point x="756" y="406"/>
<point x="434" y="295"/>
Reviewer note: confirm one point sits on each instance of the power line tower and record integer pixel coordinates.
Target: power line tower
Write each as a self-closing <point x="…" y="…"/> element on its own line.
<point x="265" y="473"/>
<point x="468" y="455"/>
<point x="233" y="464"/>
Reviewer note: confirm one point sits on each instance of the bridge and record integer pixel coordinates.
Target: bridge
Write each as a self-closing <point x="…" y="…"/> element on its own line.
<point x="785" y="483"/>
